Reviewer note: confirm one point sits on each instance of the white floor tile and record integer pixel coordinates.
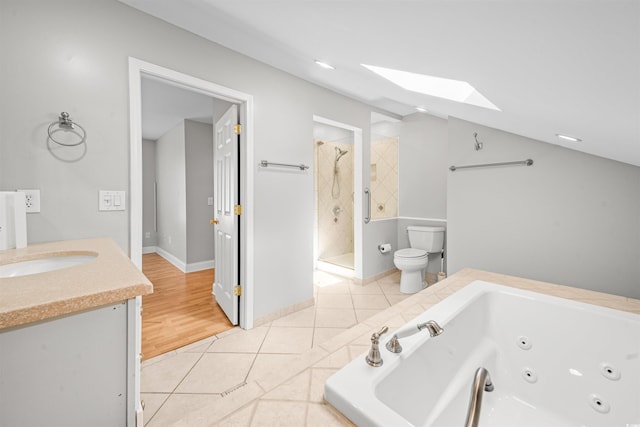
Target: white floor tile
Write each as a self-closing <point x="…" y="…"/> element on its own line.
<point x="152" y="402"/>
<point x="297" y="388"/>
<point x="321" y="335"/>
<point x="269" y="413"/>
<point x="266" y="363"/>
<point x="287" y="340"/>
<point x="334" y="301"/>
<point x="165" y="375"/>
<point x="217" y="373"/>
<point x="179" y="405"/>
<point x="370" y="301"/>
<point x="240" y="342"/>
<point x="370" y="288"/>
<point x="302" y="318"/>
<point x="335" y="318"/>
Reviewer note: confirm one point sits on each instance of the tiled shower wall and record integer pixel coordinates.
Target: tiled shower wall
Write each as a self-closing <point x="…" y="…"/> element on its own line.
<point x="335" y="231"/>
<point x="384" y="178"/>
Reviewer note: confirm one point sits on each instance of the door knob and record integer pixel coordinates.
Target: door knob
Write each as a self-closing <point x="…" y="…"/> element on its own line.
<point x="213" y="221"/>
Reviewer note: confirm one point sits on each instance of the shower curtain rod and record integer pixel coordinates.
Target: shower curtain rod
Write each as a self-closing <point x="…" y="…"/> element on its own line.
<point x="527" y="162"/>
<point x="266" y="164"/>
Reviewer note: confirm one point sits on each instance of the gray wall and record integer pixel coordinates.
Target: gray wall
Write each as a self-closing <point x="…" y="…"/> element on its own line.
<point x="87" y="75"/>
<point x="199" y="182"/>
<point x="423" y="167"/>
<point x="571" y="218"/>
<point x="171" y="191"/>
<point x="148" y="198"/>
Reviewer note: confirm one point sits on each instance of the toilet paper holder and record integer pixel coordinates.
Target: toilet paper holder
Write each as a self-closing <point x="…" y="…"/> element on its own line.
<point x="384" y="247"/>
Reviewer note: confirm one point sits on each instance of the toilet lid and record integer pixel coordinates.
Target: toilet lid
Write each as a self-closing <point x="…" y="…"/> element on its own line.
<point x="411" y="253"/>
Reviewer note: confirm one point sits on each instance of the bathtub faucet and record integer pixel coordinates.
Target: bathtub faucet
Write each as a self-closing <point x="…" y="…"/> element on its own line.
<point x="432" y="326"/>
<point x="481" y="383"/>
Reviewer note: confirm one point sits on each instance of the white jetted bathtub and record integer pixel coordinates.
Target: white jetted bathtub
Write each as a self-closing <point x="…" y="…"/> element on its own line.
<point x="553" y="362"/>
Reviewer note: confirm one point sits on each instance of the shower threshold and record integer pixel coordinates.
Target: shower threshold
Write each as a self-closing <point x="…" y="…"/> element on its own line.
<point x="340" y="264"/>
<point x="344" y="260"/>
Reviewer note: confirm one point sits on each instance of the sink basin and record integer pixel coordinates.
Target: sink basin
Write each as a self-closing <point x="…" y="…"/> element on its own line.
<point x="44" y="265"/>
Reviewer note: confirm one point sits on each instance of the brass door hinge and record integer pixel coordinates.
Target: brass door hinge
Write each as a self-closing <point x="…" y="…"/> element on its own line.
<point x="237" y="209"/>
<point x="237" y="290"/>
<point x="237" y="129"/>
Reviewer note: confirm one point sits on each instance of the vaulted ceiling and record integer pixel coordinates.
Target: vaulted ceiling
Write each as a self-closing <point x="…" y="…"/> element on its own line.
<point x="552" y="67"/>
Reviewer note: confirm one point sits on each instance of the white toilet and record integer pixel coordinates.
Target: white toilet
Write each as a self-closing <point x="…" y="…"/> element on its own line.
<point x="412" y="262"/>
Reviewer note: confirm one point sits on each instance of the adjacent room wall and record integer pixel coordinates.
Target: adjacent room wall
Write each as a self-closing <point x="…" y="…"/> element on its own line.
<point x="199" y="182"/>
<point x="571" y="218"/>
<point x="148" y="197"/>
<point x="171" y="195"/>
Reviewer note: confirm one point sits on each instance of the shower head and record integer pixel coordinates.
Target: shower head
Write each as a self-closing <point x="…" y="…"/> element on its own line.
<point x="340" y="153"/>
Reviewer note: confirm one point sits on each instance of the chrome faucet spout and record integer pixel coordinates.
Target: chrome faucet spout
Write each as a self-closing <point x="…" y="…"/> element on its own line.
<point x="481" y="383"/>
<point x="431" y="326"/>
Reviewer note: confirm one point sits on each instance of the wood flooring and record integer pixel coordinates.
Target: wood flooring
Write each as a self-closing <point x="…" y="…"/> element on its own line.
<point x="180" y="311"/>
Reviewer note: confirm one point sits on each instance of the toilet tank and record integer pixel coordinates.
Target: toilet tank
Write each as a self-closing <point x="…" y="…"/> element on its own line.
<point x="429" y="239"/>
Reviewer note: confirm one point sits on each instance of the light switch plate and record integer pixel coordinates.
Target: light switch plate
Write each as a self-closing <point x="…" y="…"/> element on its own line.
<point x="111" y="200"/>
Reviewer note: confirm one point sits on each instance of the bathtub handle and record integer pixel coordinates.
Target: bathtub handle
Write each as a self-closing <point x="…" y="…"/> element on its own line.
<point x="374" y="358"/>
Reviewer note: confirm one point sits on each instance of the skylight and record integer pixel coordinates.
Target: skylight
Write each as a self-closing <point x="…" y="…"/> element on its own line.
<point x="453" y="90"/>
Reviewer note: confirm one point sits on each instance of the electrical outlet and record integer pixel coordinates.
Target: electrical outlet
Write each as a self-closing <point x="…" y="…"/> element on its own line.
<point x="32" y="200"/>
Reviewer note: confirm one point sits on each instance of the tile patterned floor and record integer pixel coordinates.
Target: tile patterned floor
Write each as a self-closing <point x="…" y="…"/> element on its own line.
<point x="290" y="394"/>
<point x="192" y="377"/>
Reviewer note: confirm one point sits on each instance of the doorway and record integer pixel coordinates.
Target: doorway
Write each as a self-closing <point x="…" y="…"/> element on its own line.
<point x="334" y="195"/>
<point x="137" y="71"/>
<point x="338" y="197"/>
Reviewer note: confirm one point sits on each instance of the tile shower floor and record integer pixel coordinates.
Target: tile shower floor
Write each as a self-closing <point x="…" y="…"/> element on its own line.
<point x="192" y="377"/>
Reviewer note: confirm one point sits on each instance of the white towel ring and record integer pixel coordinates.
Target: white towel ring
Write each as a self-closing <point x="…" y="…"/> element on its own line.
<point x="66" y="124"/>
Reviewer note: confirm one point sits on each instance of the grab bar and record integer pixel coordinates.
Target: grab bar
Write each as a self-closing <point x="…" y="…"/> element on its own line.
<point x="527" y="162"/>
<point x="481" y="383"/>
<point x="266" y="164"/>
<point x="368" y="203"/>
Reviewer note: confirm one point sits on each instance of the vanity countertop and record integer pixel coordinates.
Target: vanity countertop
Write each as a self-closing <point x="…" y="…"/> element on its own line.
<point x="110" y="277"/>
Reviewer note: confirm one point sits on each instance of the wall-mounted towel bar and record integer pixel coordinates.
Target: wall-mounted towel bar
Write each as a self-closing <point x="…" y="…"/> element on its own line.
<point x="527" y="162"/>
<point x="266" y="164"/>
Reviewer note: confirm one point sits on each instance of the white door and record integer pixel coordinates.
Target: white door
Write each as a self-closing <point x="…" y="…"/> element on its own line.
<point x="226" y="198"/>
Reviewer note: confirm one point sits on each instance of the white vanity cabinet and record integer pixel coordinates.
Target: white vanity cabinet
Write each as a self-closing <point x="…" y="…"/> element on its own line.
<point x="74" y="370"/>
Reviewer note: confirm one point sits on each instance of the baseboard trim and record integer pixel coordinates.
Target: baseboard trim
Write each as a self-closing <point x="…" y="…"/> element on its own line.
<point x="374" y="277"/>
<point x="149" y="249"/>
<point x="282" y="312"/>
<point x="202" y="265"/>
<point x="180" y="265"/>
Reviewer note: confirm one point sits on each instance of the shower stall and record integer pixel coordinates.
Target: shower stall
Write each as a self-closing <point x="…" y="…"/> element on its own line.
<point x="334" y="195"/>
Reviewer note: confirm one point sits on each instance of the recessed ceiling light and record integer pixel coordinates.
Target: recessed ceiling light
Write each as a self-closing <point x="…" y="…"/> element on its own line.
<point x="422" y="109"/>
<point x="453" y="90"/>
<point x="568" y="138"/>
<point x="325" y="65"/>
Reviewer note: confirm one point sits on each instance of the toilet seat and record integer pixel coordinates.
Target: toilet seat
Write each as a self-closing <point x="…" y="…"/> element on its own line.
<point x="411" y="253"/>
